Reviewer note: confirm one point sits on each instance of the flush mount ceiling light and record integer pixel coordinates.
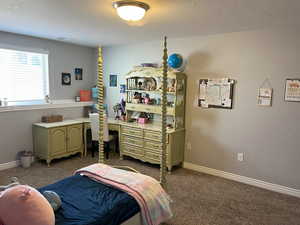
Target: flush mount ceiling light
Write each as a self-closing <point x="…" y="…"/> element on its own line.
<point x="131" y="10"/>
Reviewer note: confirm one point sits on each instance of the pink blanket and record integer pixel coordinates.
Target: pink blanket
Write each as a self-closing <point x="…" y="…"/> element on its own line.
<point x="152" y="199"/>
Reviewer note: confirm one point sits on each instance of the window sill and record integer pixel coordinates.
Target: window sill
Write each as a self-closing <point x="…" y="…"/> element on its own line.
<point x="54" y="105"/>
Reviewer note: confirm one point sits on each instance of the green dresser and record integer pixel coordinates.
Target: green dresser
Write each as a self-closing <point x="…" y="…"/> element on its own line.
<point x="57" y="140"/>
<point x="144" y="143"/>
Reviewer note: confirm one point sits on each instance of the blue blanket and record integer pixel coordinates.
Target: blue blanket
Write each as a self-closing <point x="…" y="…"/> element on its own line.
<point x="87" y="202"/>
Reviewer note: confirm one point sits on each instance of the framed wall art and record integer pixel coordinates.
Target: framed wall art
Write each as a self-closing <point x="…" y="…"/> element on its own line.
<point x="292" y="90"/>
<point x="113" y="80"/>
<point x="216" y="93"/>
<point x="265" y="94"/>
<point x="66" y="79"/>
<point x="78" y="73"/>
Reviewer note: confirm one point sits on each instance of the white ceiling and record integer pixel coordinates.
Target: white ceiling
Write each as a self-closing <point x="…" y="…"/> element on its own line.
<point x="95" y="22"/>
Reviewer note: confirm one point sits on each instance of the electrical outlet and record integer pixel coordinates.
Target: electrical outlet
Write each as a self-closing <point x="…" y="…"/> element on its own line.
<point x="189" y="146"/>
<point x="240" y="157"/>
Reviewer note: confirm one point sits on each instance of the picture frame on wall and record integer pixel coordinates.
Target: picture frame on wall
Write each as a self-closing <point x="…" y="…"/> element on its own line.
<point x="265" y="97"/>
<point x="66" y="79"/>
<point x="78" y="73"/>
<point x="216" y="93"/>
<point x="122" y="88"/>
<point x="292" y="90"/>
<point x="113" y="80"/>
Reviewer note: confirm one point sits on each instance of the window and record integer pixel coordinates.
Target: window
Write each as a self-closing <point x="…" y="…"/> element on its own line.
<point x="23" y="77"/>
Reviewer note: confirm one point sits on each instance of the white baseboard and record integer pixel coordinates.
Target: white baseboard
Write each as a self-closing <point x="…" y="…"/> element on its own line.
<point x="9" y="165"/>
<point x="243" y="179"/>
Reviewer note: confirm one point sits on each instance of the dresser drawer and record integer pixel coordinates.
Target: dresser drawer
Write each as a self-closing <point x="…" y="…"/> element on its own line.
<point x="151" y="156"/>
<point x="155" y="146"/>
<point x="131" y="149"/>
<point x="132" y="140"/>
<point x="132" y="131"/>
<point x="152" y="135"/>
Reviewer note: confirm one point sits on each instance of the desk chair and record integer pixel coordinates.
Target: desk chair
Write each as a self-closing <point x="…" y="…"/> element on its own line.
<point x="107" y="139"/>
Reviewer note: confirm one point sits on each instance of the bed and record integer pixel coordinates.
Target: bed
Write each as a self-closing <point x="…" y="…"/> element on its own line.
<point x="88" y="202"/>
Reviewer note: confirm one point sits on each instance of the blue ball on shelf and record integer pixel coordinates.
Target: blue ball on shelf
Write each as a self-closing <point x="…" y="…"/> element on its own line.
<point x="175" y="61"/>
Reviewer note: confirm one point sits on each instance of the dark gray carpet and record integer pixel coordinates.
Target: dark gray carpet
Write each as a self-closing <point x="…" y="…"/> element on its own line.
<point x="199" y="199"/>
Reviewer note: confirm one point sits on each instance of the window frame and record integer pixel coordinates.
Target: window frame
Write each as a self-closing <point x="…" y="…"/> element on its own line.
<point x="47" y="77"/>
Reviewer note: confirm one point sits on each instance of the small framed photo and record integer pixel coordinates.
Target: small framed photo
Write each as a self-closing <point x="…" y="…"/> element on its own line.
<point x="113" y="80"/>
<point x="122" y="88"/>
<point x="78" y="73"/>
<point x="292" y="90"/>
<point x="66" y="79"/>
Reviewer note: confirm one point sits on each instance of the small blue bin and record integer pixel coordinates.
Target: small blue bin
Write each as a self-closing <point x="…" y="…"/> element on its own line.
<point x="95" y="92"/>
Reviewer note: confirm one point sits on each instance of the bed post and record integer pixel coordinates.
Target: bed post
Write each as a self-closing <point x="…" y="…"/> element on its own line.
<point x="164" y="116"/>
<point x="100" y="105"/>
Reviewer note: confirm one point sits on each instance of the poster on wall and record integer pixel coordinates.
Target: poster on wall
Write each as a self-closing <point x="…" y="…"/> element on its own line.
<point x="292" y="90"/>
<point x="113" y="80"/>
<point x="78" y="73"/>
<point x="122" y="88"/>
<point x="265" y="96"/>
<point x="215" y="93"/>
<point x="66" y="79"/>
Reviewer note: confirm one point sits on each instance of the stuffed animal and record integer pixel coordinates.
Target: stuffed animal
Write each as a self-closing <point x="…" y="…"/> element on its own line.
<point x="24" y="205"/>
<point x="53" y="198"/>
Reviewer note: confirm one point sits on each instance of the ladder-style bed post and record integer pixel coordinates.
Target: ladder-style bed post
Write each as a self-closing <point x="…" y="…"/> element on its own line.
<point x="164" y="116"/>
<point x="100" y="87"/>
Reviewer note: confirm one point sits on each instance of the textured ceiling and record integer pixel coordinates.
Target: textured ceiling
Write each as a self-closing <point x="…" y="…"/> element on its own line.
<point x="95" y="22"/>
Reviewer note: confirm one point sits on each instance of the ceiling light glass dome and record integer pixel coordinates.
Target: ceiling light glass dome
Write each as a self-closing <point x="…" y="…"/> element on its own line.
<point x="131" y="10"/>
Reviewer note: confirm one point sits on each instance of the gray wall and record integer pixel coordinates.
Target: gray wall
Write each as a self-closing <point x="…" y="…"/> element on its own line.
<point x="269" y="137"/>
<point x="15" y="127"/>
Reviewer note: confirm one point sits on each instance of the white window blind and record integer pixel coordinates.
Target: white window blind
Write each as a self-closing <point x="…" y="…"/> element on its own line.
<point x="23" y="76"/>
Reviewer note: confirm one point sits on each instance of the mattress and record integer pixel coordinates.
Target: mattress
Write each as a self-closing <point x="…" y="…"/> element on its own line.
<point x="87" y="202"/>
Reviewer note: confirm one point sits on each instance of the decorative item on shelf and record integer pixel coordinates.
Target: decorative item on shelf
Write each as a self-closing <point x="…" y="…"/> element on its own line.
<point x="66" y="79"/>
<point x="94" y="92"/>
<point x="154" y="65"/>
<point x="78" y="73"/>
<point x="172" y="85"/>
<point x="137" y="98"/>
<point x="52" y="118"/>
<point x="158" y="101"/>
<point x="85" y="95"/>
<point x="143" y="118"/>
<point x="77" y="98"/>
<point x="150" y="84"/>
<point x="119" y="110"/>
<point x="47" y="99"/>
<point x="147" y="99"/>
<point x="175" y="61"/>
<point x="5" y="102"/>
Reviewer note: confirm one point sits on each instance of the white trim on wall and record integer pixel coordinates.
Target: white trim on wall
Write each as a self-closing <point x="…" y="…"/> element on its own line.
<point x="55" y="104"/>
<point x="9" y="165"/>
<point x="243" y="179"/>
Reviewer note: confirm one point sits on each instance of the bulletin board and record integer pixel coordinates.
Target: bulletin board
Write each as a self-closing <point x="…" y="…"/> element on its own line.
<point x="216" y="93"/>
